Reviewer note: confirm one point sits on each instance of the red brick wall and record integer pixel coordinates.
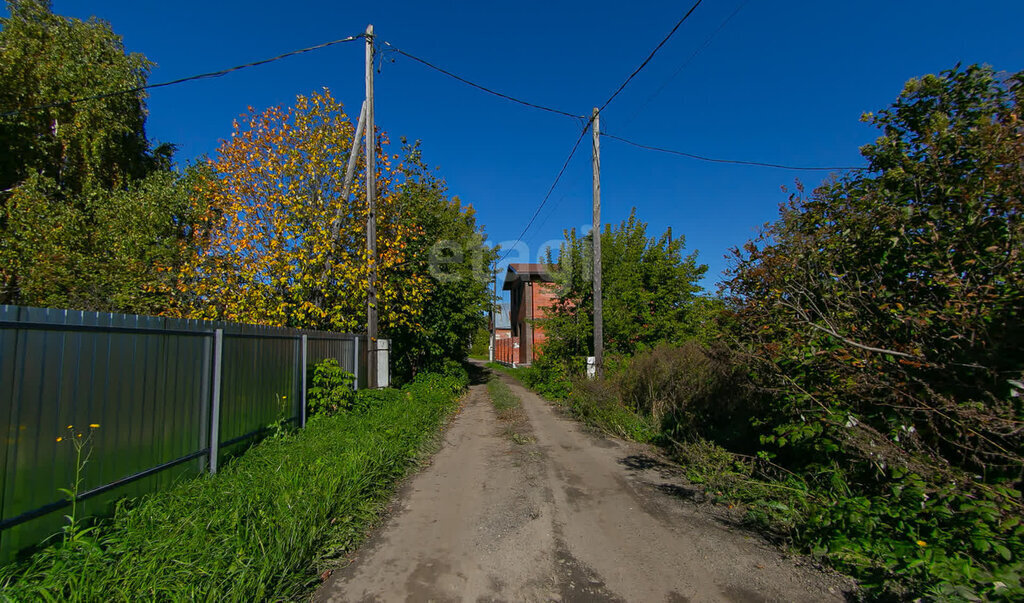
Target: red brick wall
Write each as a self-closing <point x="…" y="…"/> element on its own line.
<point x="530" y="301"/>
<point x="543" y="297"/>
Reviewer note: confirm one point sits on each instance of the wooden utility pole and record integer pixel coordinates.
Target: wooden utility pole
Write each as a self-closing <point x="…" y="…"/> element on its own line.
<point x="494" y="312"/>
<point x="596" y="233"/>
<point x="371" y="220"/>
<point x="350" y="173"/>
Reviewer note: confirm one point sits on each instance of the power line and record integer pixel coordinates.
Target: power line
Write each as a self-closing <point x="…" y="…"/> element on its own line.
<point x="702" y="48"/>
<point x="733" y="161"/>
<point x="550" y="190"/>
<point x="480" y="87"/>
<point x="590" y="121"/>
<point x="190" y="78"/>
<point x="651" y="55"/>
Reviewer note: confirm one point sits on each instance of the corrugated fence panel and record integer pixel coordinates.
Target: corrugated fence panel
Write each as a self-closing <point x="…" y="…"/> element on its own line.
<point x="8" y="357"/>
<point x="259" y="380"/>
<point x="343" y="349"/>
<point x="146" y="382"/>
<point x="144" y="390"/>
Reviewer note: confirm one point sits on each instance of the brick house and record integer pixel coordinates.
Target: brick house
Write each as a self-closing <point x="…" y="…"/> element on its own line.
<point x="532" y="290"/>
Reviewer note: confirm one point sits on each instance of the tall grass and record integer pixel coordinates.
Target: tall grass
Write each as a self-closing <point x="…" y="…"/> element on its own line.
<point x="258" y="529"/>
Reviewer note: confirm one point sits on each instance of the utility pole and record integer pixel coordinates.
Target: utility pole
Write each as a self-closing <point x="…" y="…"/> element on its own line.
<point x="596" y="232"/>
<point x="350" y="172"/>
<point x="371" y="220"/>
<point x="494" y="313"/>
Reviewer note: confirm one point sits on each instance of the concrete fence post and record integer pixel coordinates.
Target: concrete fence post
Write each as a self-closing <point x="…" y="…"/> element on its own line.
<point x="218" y="353"/>
<point x="383" y="364"/>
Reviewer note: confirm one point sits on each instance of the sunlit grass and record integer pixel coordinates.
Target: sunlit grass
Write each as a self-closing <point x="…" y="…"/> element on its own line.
<point x="263" y="527"/>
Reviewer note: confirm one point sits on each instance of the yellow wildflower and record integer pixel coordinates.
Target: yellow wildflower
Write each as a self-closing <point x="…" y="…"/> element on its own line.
<point x="94" y="425"/>
<point x="922" y="543"/>
<point x="59" y="438"/>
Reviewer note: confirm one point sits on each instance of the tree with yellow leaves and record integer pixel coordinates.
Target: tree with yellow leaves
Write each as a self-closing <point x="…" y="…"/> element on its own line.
<point x="265" y="251"/>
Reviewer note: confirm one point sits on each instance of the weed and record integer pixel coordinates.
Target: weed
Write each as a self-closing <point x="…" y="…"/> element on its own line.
<point x="332" y="388"/>
<point x="501" y="396"/>
<point x="259" y="529"/>
<point x="82" y="443"/>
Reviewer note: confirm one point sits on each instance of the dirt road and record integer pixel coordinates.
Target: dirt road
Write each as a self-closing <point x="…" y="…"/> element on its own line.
<point x="560" y="515"/>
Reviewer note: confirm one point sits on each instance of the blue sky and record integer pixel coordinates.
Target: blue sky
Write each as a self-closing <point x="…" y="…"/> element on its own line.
<point x="782" y="82"/>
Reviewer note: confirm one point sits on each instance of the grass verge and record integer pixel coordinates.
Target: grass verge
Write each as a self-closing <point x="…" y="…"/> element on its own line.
<point x="259" y="529"/>
<point x="588" y="402"/>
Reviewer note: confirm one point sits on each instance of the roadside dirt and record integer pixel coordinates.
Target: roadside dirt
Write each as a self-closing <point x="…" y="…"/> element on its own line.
<point x="561" y="515"/>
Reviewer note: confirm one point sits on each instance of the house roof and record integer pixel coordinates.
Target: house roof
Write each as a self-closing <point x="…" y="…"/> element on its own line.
<point x="501" y="317"/>
<point x="526" y="272"/>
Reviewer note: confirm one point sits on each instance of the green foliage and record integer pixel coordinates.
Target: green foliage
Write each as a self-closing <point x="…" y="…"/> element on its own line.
<point x="550" y="378"/>
<point x="546" y="377"/>
<point x="480" y="346"/>
<point x="332" y="388"/>
<point x="896" y="296"/>
<point x="598" y="404"/>
<point x="914" y="537"/>
<point x="259" y="529"/>
<point x="649" y="293"/>
<point x="452" y="246"/>
<point x="452" y="375"/>
<point x="90" y="214"/>
<point x="46" y="58"/>
<point x="881" y="319"/>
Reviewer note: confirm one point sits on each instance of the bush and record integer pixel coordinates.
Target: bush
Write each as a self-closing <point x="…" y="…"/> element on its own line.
<point x="549" y="377"/>
<point x="882" y="313"/>
<point x="452" y="377"/>
<point x="598" y="403"/>
<point x="481" y="344"/>
<point x="332" y="388"/>
<point x="689" y="390"/>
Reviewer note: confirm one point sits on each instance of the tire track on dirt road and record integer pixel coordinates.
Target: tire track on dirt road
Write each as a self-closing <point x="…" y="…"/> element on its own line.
<point x="562" y="516"/>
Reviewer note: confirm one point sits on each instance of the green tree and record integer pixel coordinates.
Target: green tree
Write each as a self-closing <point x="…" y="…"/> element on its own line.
<point x="650" y="292"/>
<point x="897" y="294"/>
<point x="86" y="202"/>
<point x="46" y="59"/>
<point x="883" y="314"/>
<point x="451" y="248"/>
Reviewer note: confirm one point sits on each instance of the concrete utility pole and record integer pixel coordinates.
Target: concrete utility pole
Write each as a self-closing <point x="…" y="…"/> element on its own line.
<point x="596" y="232"/>
<point x="371" y="220"/>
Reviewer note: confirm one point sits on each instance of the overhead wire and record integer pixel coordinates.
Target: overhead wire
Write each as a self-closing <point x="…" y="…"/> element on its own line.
<point x="650" y="56"/>
<point x="480" y="87"/>
<point x="212" y="74"/>
<point x="590" y="121"/>
<point x="551" y="189"/>
<point x="700" y="49"/>
<point x="586" y="126"/>
<point x="732" y="161"/>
